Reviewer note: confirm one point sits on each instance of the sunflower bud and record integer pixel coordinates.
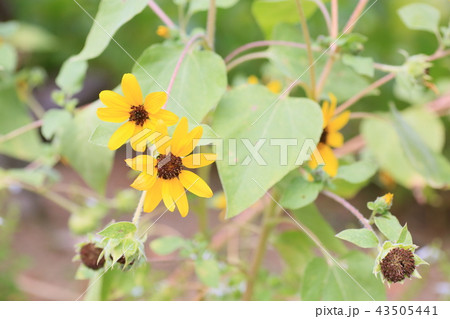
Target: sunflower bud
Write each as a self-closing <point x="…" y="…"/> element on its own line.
<point x="90" y="254"/>
<point x="163" y="31"/>
<point x="382" y="204"/>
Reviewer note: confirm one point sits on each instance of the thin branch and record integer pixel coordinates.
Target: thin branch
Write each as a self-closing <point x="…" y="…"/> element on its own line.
<point x="355" y="15"/>
<point x="265" y="43"/>
<point x="325" y="14"/>
<point x="21" y="130"/>
<point x="334" y="19"/>
<point x="138" y="211"/>
<point x="350" y="208"/>
<point x="180" y="61"/>
<point x="365" y="91"/>
<point x="247" y="57"/>
<point x="161" y="14"/>
<point x="211" y="23"/>
<point x="307" y="37"/>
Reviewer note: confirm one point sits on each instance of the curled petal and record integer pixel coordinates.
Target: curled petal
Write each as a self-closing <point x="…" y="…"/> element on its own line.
<point x="179" y="196"/>
<point x="195" y="184"/>
<point x="153" y="197"/>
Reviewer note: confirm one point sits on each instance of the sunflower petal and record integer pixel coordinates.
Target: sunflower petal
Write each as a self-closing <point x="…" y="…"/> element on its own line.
<point x="199" y="160"/>
<point x="109" y="114"/>
<point x="325" y="113"/>
<point x="168" y="117"/>
<point x="179" y="196"/>
<point x="121" y="136"/>
<point x="166" y="196"/>
<point x="144" y="181"/>
<point x="195" y="184"/>
<point x="339" y="121"/>
<point x="131" y="89"/>
<point x="190" y="142"/>
<point x="153" y="197"/>
<point x="114" y="100"/>
<point x="179" y="134"/>
<point x="155" y="101"/>
<point x="331" y="162"/>
<point x="335" y="139"/>
<point x="142" y="163"/>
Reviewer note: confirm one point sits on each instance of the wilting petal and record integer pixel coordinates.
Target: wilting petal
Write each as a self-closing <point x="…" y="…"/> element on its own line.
<point x="335" y="139"/>
<point x="142" y="163"/>
<point x="179" y="196"/>
<point x="190" y="142"/>
<point x="144" y="181"/>
<point x="131" y="89"/>
<point x="153" y="197"/>
<point x="339" y="121"/>
<point x="199" y="160"/>
<point x="114" y="100"/>
<point x="193" y="183"/>
<point x="155" y="101"/>
<point x="166" y="195"/>
<point x="168" y="117"/>
<point x="114" y="115"/>
<point x="121" y="136"/>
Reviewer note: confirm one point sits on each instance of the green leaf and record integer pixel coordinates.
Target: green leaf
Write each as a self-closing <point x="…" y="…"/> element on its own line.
<point x="357" y="172"/>
<point x="203" y="5"/>
<point x="384" y="143"/>
<point x="34" y="177"/>
<point x="343" y="81"/>
<point x="311" y="218"/>
<point x="208" y="272"/>
<point x="405" y="236"/>
<point x="269" y="13"/>
<point x="420" y="16"/>
<point x="246" y="178"/>
<point x="92" y="162"/>
<point x="361" y="65"/>
<point x="103" y="132"/>
<point x="330" y="282"/>
<point x="8" y="57"/>
<point x="389" y="226"/>
<point x="360" y="237"/>
<point x="198" y="87"/>
<point x="13" y="115"/>
<point x="118" y="230"/>
<point x="429" y="164"/>
<point x="295" y="248"/>
<point x="300" y="193"/>
<point x="111" y="15"/>
<point x="54" y="121"/>
<point x="167" y="245"/>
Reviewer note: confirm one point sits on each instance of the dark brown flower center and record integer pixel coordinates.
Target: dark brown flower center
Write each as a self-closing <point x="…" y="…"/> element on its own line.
<point x="323" y="137"/>
<point x="138" y="114"/>
<point x="169" y="166"/>
<point x="89" y="254"/>
<point x="398" y="264"/>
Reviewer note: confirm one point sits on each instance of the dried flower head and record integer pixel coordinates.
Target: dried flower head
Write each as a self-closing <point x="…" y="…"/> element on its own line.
<point x="90" y="254"/>
<point x="398" y="265"/>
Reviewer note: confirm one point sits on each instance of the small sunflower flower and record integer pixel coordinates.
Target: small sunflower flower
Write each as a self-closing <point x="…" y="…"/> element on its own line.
<point x="163" y="31"/>
<point x="140" y="114"/>
<point x="166" y="177"/>
<point x="331" y="137"/>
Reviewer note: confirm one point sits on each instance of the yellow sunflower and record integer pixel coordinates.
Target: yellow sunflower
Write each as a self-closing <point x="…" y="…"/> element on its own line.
<point x="165" y="176"/>
<point x="139" y="113"/>
<point x="331" y="137"/>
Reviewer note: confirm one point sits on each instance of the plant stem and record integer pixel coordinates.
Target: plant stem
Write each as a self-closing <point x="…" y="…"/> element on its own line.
<point x="180" y="61"/>
<point x="247" y="57"/>
<point x="202" y="211"/>
<point x="211" y="23"/>
<point x="54" y="197"/>
<point x="307" y="37"/>
<point x="21" y="130"/>
<point x="161" y="14"/>
<point x="334" y="19"/>
<point x="365" y="91"/>
<point x="138" y="211"/>
<point x="350" y="208"/>
<point x="325" y="73"/>
<point x="267" y="226"/>
<point x="325" y="13"/>
<point x="355" y="15"/>
<point x="264" y="43"/>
